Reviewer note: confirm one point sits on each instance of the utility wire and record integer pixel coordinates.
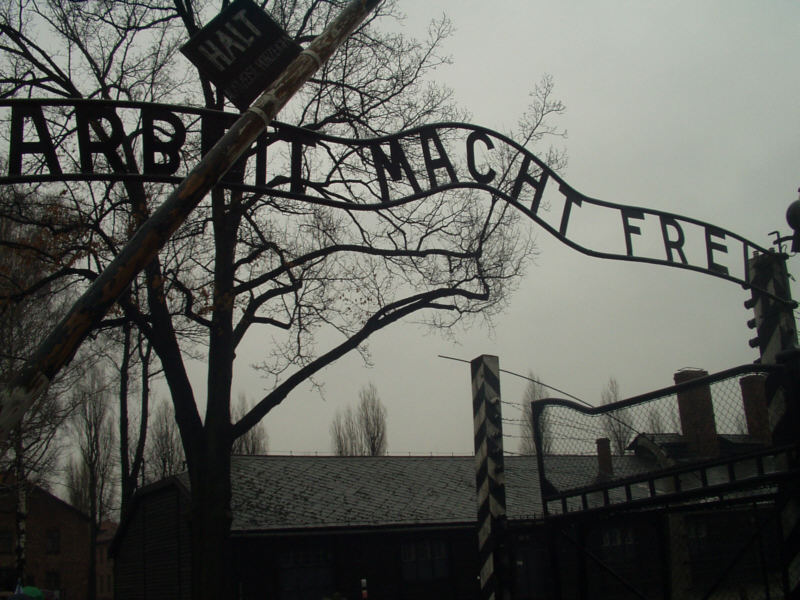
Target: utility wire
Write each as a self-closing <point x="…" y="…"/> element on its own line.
<point x="555" y="389"/>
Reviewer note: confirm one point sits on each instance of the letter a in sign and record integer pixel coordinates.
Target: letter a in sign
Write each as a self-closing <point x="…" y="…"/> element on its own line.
<point x="242" y="50"/>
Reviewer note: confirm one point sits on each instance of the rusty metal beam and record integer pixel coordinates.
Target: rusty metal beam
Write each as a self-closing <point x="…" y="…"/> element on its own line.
<point x="61" y="345"/>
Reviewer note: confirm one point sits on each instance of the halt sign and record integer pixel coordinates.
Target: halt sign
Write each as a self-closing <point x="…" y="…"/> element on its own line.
<point x="242" y="50"/>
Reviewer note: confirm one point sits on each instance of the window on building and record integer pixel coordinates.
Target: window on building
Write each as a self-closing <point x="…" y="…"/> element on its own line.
<point x="6" y="541"/>
<point x="533" y="573"/>
<point x="424" y="560"/>
<point x="619" y="542"/>
<point x="306" y="573"/>
<point x="52" y="580"/>
<point x="8" y="578"/>
<point x="696" y="529"/>
<point x="612" y="537"/>
<point x="52" y="543"/>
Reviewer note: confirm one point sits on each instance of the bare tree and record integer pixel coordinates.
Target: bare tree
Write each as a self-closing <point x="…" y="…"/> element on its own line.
<point x="534" y="391"/>
<point x="663" y="419"/>
<point x="135" y="351"/>
<point x="30" y="454"/>
<point x="92" y="477"/>
<point x="655" y="421"/>
<point x="372" y="421"/>
<point x="361" y="432"/>
<point x="255" y="441"/>
<point x="345" y="439"/>
<point x="616" y="424"/>
<point x="164" y="455"/>
<point x="29" y="451"/>
<point x="317" y="273"/>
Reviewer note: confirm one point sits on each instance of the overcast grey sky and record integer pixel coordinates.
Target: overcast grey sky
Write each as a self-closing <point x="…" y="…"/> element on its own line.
<point x="684" y="106"/>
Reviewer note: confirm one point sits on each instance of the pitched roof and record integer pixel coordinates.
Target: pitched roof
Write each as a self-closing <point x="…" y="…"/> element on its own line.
<point x="677" y="446"/>
<point x="272" y="493"/>
<point x="8" y="486"/>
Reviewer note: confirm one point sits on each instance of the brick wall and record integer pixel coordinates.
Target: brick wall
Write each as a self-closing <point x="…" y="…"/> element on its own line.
<point x="57" y="543"/>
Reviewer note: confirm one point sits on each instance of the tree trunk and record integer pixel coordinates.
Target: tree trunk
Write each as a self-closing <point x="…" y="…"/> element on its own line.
<point x="210" y="526"/>
<point x="128" y="484"/>
<point x="211" y="476"/>
<point x="208" y="447"/>
<point x="91" y="587"/>
<point x="21" y="517"/>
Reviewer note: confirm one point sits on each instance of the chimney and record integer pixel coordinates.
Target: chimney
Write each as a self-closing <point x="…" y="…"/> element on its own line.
<point x="756" y="415"/>
<point x="604" y="464"/>
<point x="697" y="414"/>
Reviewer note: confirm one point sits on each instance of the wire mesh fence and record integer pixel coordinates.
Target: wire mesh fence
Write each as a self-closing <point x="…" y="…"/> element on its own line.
<point x="667" y="495"/>
<point x="719" y="422"/>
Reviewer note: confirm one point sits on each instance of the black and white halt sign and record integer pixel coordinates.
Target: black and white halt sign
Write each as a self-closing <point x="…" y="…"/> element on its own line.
<point x="242" y="50"/>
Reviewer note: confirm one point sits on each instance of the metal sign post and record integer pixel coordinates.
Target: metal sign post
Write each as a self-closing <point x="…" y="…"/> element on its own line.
<point x="241" y="50"/>
<point x="62" y="343"/>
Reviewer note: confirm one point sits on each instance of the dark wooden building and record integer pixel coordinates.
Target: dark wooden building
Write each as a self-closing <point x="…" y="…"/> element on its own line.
<point x="104" y="564"/>
<point x="307" y="528"/>
<point x="685" y="515"/>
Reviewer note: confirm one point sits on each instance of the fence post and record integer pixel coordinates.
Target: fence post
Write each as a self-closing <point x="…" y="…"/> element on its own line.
<point x="771" y="301"/>
<point x="777" y="343"/>
<point x="490" y="478"/>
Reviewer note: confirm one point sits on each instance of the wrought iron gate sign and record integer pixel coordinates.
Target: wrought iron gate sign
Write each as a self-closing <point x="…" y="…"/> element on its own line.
<point x="241" y="50"/>
<point x="365" y="174"/>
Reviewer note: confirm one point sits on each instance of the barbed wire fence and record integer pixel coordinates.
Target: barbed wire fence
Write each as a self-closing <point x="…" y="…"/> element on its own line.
<point x="701" y="455"/>
<point x="700" y="417"/>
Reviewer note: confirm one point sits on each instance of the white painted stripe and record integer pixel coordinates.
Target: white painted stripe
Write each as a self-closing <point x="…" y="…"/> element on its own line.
<point x="481" y="455"/>
<point x="479" y="418"/>
<point x="493" y="431"/>
<point x="478" y="379"/>
<point x="772" y="347"/>
<point x="487" y="569"/>
<point x="495" y="508"/>
<point x="777" y="409"/>
<point x="483" y="492"/>
<point x="484" y="532"/>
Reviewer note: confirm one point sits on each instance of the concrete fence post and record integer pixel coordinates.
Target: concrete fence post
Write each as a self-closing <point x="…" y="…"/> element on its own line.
<point x="490" y="478"/>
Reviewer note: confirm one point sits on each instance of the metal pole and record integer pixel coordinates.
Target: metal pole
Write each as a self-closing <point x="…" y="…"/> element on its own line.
<point x="62" y="343"/>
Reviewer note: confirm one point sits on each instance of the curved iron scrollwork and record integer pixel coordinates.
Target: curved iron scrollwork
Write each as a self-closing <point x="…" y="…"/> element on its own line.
<point x="377" y="173"/>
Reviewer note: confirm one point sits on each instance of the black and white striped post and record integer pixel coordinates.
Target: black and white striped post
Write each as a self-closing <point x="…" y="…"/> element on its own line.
<point x="490" y="478"/>
<point x="777" y="343"/>
<point x="771" y="301"/>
